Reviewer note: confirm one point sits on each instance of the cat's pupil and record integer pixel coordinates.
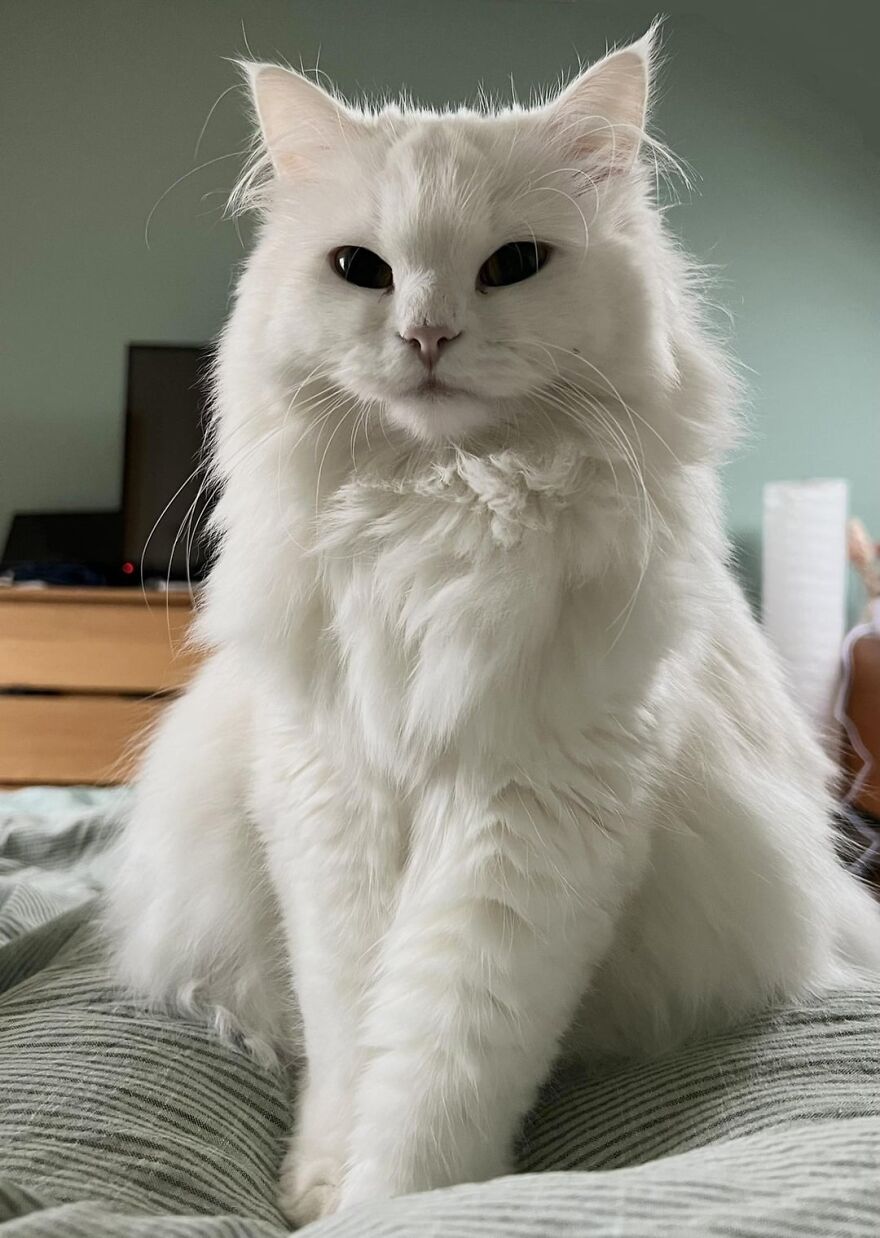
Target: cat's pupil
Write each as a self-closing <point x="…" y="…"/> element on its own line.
<point x="513" y="263"/>
<point x="360" y="266"/>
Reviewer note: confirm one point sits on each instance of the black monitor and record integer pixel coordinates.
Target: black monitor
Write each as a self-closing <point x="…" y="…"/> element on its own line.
<point x="163" y="513"/>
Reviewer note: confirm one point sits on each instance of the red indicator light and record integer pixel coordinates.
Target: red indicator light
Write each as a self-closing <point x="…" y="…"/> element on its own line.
<point x="128" y="568"/>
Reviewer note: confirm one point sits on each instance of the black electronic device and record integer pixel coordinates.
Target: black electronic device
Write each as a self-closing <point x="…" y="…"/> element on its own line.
<point x="64" y="548"/>
<point x="165" y="501"/>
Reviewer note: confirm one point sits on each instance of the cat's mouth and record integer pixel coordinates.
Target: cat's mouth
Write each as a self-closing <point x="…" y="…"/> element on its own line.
<point x="434" y="410"/>
<point x="434" y="388"/>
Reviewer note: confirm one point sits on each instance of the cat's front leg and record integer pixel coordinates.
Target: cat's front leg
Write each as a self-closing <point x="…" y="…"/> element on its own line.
<point x="334" y="857"/>
<point x="505" y="910"/>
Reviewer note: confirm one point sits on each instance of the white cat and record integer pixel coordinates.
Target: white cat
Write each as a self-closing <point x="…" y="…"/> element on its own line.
<point x="486" y="727"/>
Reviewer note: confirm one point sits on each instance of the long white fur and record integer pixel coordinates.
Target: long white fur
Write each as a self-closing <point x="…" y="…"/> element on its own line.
<point x="488" y="759"/>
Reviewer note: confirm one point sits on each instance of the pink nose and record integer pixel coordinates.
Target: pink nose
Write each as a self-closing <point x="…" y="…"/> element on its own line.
<point x="429" y="341"/>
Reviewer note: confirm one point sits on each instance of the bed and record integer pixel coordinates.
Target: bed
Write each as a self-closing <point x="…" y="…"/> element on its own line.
<point x="117" y="1123"/>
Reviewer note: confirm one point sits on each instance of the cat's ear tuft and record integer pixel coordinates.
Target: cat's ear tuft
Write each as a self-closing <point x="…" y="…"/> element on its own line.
<point x="299" y="121"/>
<point x="600" y="116"/>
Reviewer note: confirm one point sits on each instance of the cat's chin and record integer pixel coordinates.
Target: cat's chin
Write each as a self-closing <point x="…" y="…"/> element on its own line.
<point x="433" y="419"/>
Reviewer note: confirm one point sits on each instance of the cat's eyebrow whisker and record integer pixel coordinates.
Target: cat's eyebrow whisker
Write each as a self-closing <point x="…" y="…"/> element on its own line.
<point x="581" y="173"/>
<point x="562" y="193"/>
<point x="558" y="172"/>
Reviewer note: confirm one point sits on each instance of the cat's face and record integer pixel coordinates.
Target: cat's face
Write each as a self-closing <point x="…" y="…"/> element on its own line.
<point x="444" y="269"/>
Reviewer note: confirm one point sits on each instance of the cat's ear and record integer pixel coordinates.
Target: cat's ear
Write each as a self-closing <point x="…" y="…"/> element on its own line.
<point x="600" y="117"/>
<point x="299" y="121"/>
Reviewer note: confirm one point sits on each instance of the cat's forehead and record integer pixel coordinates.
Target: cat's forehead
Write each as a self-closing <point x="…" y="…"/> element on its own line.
<point x="447" y="155"/>
<point x="444" y="177"/>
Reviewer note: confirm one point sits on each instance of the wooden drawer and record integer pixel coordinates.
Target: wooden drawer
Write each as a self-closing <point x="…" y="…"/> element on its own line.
<point x="81" y="646"/>
<point x="71" y="739"/>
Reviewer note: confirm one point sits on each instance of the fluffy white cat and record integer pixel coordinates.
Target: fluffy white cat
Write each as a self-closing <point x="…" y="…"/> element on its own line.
<point x="488" y="759"/>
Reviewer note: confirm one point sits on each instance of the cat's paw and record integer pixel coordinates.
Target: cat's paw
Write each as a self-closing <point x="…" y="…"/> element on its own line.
<point x="365" y="1183"/>
<point x="309" y="1186"/>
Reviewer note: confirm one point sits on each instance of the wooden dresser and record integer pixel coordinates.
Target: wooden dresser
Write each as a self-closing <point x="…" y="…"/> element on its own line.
<point x="82" y="673"/>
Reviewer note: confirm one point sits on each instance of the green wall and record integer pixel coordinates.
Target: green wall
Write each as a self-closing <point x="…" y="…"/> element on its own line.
<point x="103" y="101"/>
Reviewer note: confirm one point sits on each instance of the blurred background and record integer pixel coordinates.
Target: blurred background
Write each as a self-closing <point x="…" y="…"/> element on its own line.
<point x="117" y="112"/>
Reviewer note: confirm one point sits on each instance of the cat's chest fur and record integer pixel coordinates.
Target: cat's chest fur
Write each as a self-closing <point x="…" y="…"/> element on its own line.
<point x="465" y="608"/>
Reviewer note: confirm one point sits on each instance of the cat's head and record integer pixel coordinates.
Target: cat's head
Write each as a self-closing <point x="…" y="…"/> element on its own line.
<point x="443" y="269"/>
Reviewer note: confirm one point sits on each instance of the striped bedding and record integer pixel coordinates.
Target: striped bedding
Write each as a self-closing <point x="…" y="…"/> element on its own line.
<point x="113" y="1123"/>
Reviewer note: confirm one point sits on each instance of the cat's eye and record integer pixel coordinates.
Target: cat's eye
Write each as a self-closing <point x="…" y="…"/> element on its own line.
<point x="513" y="263"/>
<point x="360" y="266"/>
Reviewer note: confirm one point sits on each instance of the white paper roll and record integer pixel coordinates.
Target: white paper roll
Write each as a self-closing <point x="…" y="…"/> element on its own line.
<point x="804" y="587"/>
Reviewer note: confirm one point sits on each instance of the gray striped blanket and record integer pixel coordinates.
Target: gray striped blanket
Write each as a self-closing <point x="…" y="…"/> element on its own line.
<point x="119" y="1124"/>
